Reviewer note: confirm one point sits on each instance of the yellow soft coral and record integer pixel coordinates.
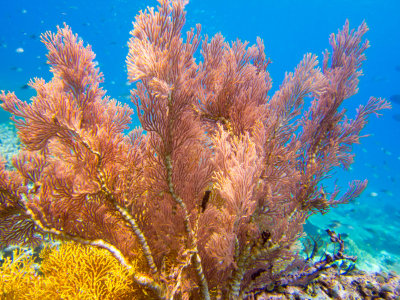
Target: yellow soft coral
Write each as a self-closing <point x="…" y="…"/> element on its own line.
<point x="17" y="275"/>
<point x="67" y="271"/>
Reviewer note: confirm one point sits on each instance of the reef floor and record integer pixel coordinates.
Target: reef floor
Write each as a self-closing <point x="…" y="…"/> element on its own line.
<point x="329" y="285"/>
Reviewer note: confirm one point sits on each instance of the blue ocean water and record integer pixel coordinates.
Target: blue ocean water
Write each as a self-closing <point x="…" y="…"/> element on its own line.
<point x="289" y="28"/>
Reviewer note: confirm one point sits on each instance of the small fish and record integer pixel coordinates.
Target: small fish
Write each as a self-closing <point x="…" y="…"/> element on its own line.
<point x="373" y="194"/>
<point x="387" y="192"/>
<point x="25" y="87"/>
<point x="19" y="50"/>
<point x="389" y="261"/>
<point x="17" y="69"/>
<point x="369" y="229"/>
<point x="395" y="98"/>
<point x="396" y="117"/>
<point x="387" y="152"/>
<point x="332" y="225"/>
<point x="391" y="178"/>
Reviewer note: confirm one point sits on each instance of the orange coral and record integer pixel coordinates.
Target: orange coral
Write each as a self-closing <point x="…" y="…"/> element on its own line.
<point x="67" y="271"/>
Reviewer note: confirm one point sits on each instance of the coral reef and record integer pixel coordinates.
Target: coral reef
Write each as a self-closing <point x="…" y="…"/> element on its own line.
<point x="357" y="285"/>
<point x="206" y="200"/>
<point x="70" y="271"/>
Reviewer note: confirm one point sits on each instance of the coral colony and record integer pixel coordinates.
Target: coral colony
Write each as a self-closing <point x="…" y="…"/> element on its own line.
<point x="206" y="200"/>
